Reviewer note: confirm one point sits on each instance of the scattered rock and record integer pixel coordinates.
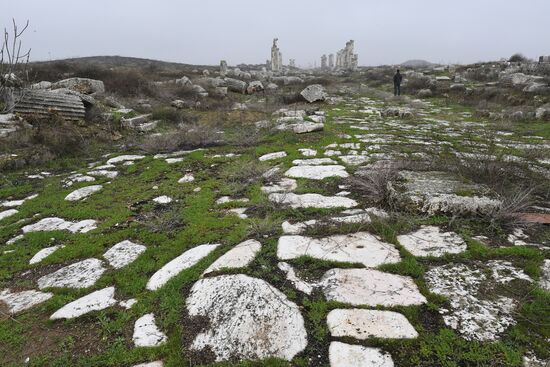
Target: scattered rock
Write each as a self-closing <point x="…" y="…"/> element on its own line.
<point x="312" y="201"/>
<point x="95" y="301"/>
<point x="188" y="177"/>
<point x="430" y="241"/>
<point x="44" y="253"/>
<point x="21" y="301"/>
<point x="317" y="172"/>
<point x="545" y="275"/>
<point x="82" y="274"/>
<point x="83" y="193"/>
<point x="283" y="185"/>
<point x="238" y="257"/>
<point x="346" y="355"/>
<point x="123" y="253"/>
<point x="163" y="200"/>
<point x="8" y="213"/>
<point x="58" y="224"/>
<point x="125" y="158"/>
<point x="291" y="276"/>
<point x="364" y="324"/>
<point x="314" y="93"/>
<point x="271" y="156"/>
<point x="146" y="332"/>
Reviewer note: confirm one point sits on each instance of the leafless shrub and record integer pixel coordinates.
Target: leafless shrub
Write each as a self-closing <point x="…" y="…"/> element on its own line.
<point x="196" y="136"/>
<point x="173" y="115"/>
<point x="244" y="174"/>
<point x="160" y="221"/>
<point x="262" y="228"/>
<point x="514" y="202"/>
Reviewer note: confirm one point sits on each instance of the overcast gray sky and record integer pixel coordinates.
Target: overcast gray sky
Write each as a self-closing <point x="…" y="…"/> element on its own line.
<point x="205" y="31"/>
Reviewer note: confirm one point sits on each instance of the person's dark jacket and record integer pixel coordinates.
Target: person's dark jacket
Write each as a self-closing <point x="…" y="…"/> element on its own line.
<point x="397" y="78"/>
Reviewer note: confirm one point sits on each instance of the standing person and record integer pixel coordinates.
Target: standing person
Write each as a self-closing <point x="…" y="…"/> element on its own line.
<point x="397" y="79"/>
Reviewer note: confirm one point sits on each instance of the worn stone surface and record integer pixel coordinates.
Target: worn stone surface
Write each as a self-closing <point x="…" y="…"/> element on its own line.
<point x="58" y="224"/>
<point x="476" y="312"/>
<point x="44" y="253"/>
<point x="545" y="275"/>
<point x="8" y="213"/>
<point x="180" y="263"/>
<point x="317" y="172"/>
<point x="360" y="247"/>
<point x="313" y="162"/>
<point x="366" y="287"/>
<point x="283" y="185"/>
<point x="83" y="193"/>
<point x="291" y="276"/>
<point x="314" y="93"/>
<point x="248" y="319"/>
<point x="188" y="177"/>
<point x="82" y="274"/>
<point x="125" y="158"/>
<point x="146" y="332"/>
<point x="431" y="241"/>
<point x="238" y="257"/>
<point x="364" y="324"/>
<point x="123" y="253"/>
<point x="346" y="355"/>
<point x="23" y="300"/>
<point x="312" y="201"/>
<point x="271" y="156"/>
<point x="95" y="301"/>
<point x="163" y="200"/>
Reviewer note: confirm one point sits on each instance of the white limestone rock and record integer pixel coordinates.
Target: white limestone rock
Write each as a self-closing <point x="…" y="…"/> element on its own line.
<point x="238" y="257"/>
<point x="44" y="253"/>
<point x="312" y="201"/>
<point x="291" y="276"/>
<point x="150" y="364"/>
<point x="104" y="173"/>
<point x="239" y="212"/>
<point x="58" y="224"/>
<point x="8" y="213"/>
<point x="163" y="200"/>
<point x="317" y="172"/>
<point x="430" y="241"/>
<point x="227" y="199"/>
<point x="364" y="324"/>
<point x="314" y="93"/>
<point x="123" y="253"/>
<point x="146" y="332"/>
<point x="475" y="313"/>
<point x="271" y="156"/>
<point x="127" y="304"/>
<point x="346" y="355"/>
<point x="313" y="162"/>
<point x="21" y="301"/>
<point x="306" y="152"/>
<point x="297" y="228"/>
<point x="302" y="127"/>
<point x="360" y="247"/>
<point x="15" y="203"/>
<point x="248" y="319"/>
<point x="355" y="160"/>
<point x="95" y="301"/>
<point x="125" y="158"/>
<point x="83" y="193"/>
<point x="284" y="185"/>
<point x="369" y="287"/>
<point x="545" y="275"/>
<point x="186" y="260"/>
<point x="82" y="274"/>
<point x="188" y="177"/>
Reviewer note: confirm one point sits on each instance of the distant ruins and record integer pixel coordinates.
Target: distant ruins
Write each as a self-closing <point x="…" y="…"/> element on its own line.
<point x="346" y="59"/>
<point x="276" y="57"/>
<point x="544" y="59"/>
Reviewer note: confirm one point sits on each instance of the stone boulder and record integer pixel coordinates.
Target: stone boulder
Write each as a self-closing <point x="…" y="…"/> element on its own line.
<point x="81" y="85"/>
<point x="424" y="93"/>
<point x="254" y="87"/>
<point x="184" y="81"/>
<point x="314" y="93"/>
<point x="235" y="85"/>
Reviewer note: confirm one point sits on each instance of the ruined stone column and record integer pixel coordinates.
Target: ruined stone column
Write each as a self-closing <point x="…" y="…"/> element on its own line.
<point x="276" y="57"/>
<point x="324" y="62"/>
<point x="331" y="61"/>
<point x="223" y="68"/>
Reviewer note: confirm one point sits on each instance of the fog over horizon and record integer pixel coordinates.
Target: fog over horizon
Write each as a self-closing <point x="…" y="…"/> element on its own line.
<point x="241" y="31"/>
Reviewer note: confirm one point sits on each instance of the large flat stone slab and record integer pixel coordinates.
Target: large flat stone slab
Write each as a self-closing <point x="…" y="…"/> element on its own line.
<point x="271" y="156"/>
<point x="283" y="185"/>
<point x="82" y="274"/>
<point x="83" y="193"/>
<point x="8" y="213"/>
<point x="474" y="312"/>
<point x="146" y="332"/>
<point x="317" y="172"/>
<point x="125" y="158"/>
<point x="312" y="201"/>
<point x="248" y="319"/>
<point x="367" y="287"/>
<point x="347" y="355"/>
<point x="545" y="275"/>
<point x="21" y="301"/>
<point x="314" y="162"/>
<point x="123" y="253"/>
<point x="291" y="276"/>
<point x="431" y="241"/>
<point x="44" y="253"/>
<point x="95" y="301"/>
<point x="360" y="247"/>
<point x="58" y="224"/>
<point x="238" y="257"/>
<point x="364" y="324"/>
<point x="186" y="260"/>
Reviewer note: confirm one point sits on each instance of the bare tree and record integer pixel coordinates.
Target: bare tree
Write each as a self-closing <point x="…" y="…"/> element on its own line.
<point x="13" y="67"/>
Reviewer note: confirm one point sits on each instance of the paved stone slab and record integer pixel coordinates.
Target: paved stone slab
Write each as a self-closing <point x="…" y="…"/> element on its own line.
<point x="127" y="304"/>
<point x="284" y="185"/>
<point x="227" y="199"/>
<point x="545" y="276"/>
<point x="146" y="332"/>
<point x="364" y="324"/>
<point x="238" y="257"/>
<point x="271" y="156"/>
<point x="312" y="201"/>
<point x="306" y="152"/>
<point x="163" y="200"/>
<point x="313" y="162"/>
<point x="248" y="319"/>
<point x="125" y="158"/>
<point x="103" y="173"/>
<point x="95" y="301"/>
<point x="346" y="355"/>
<point x="58" y="224"/>
<point x="8" y="213"/>
<point x="360" y="247"/>
<point x="188" y="177"/>
<point x="15" y="203"/>
<point x="21" y="301"/>
<point x="83" y="193"/>
<point x="317" y="172"/>
<point x="369" y="287"/>
<point x="123" y="253"/>
<point x="180" y="263"/>
<point x="151" y="364"/>
<point x="44" y="253"/>
<point x="77" y="177"/>
<point x="291" y="276"/>
<point x="82" y="274"/>
<point x="430" y="241"/>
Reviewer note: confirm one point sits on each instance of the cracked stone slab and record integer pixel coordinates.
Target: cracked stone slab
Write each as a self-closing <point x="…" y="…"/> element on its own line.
<point x="44" y="253"/>
<point x="125" y="158"/>
<point x="360" y="247"/>
<point x="146" y="332"/>
<point x="312" y="201"/>
<point x="347" y="355"/>
<point x="248" y="319"/>
<point x="479" y="309"/>
<point x="271" y="156"/>
<point x="15" y="203"/>
<point x="77" y="177"/>
<point x="103" y="173"/>
<point x="82" y="274"/>
<point x="367" y="287"/>
<point x="21" y="301"/>
<point x="186" y="260"/>
<point x="431" y="241"/>
<point x="313" y="162"/>
<point x="238" y="257"/>
<point x="58" y="224"/>
<point x="8" y="213"/>
<point x="83" y="193"/>
<point x="306" y="152"/>
<point x="364" y="324"/>
<point x="291" y="276"/>
<point x="123" y="253"/>
<point x="284" y="185"/>
<point x="317" y="172"/>
<point x="95" y="301"/>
